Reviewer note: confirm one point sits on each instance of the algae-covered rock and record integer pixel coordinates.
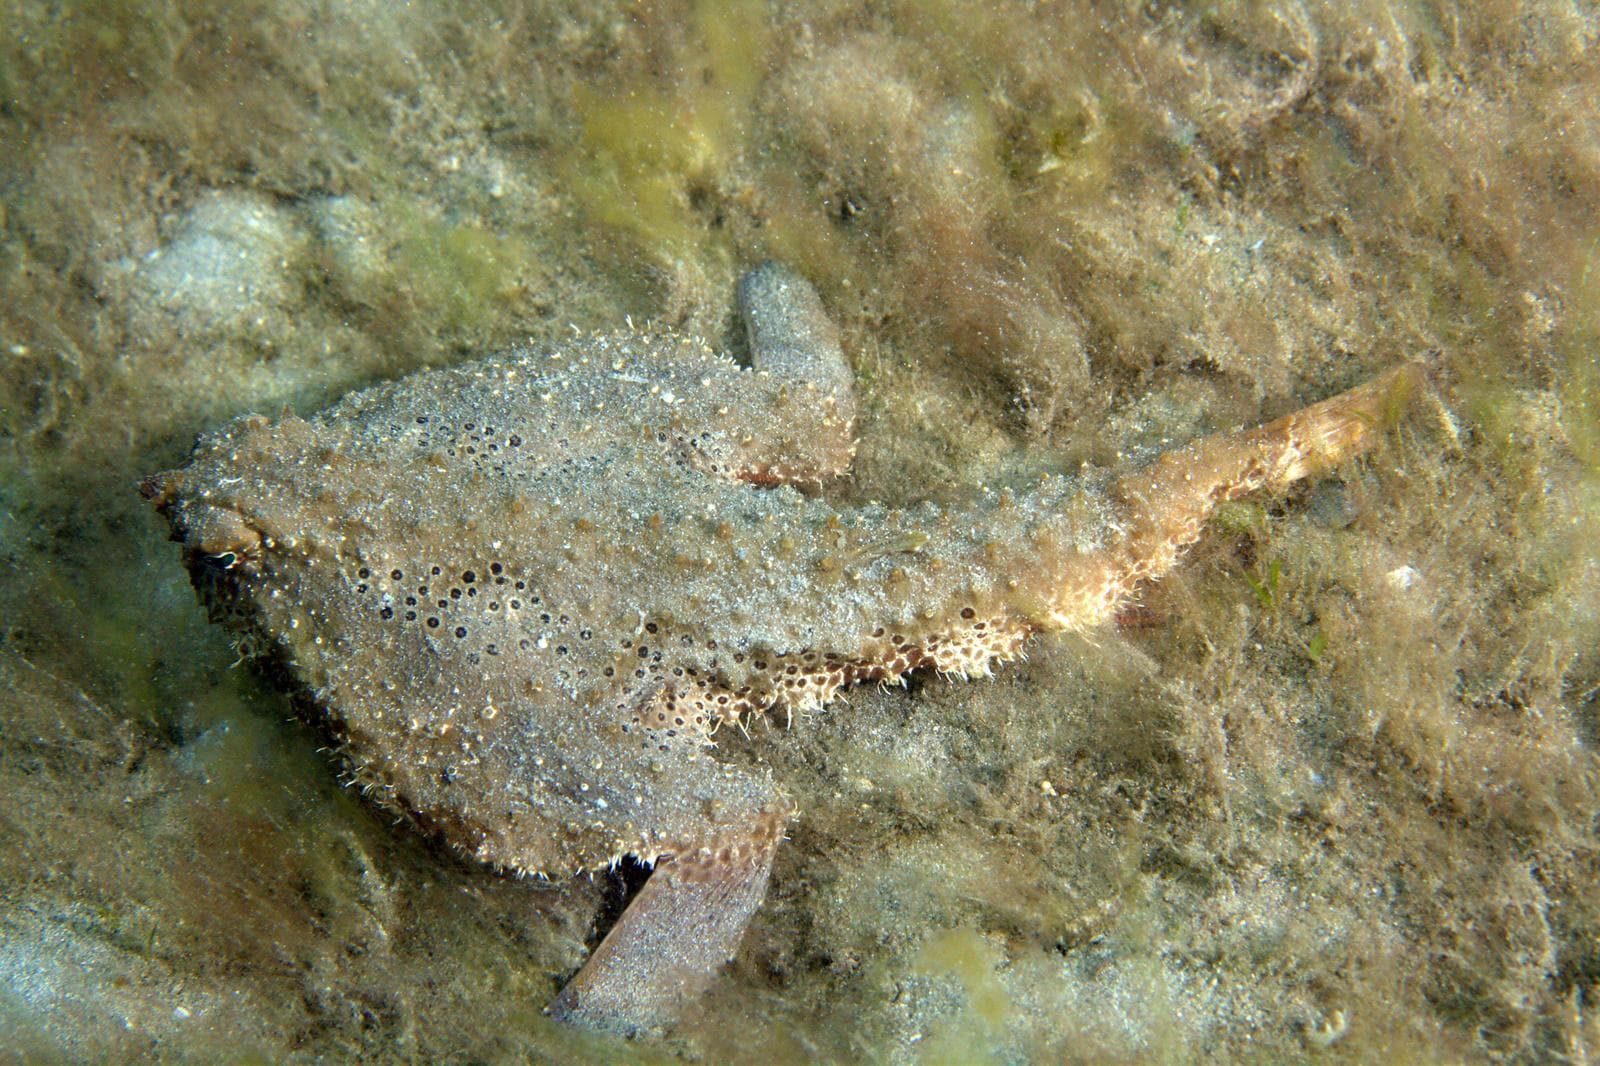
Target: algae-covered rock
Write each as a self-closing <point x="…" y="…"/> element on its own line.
<point x="232" y="265"/>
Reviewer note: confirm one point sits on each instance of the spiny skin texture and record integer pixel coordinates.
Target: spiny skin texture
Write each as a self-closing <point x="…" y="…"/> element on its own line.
<point x="527" y="590"/>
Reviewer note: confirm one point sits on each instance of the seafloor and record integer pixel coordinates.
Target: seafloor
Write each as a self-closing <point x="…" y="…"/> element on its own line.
<point x="1328" y="794"/>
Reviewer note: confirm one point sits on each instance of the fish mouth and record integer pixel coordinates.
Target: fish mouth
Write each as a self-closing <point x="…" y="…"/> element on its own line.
<point x="215" y="537"/>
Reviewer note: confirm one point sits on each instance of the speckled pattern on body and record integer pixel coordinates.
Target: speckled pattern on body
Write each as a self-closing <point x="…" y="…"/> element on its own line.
<point x="529" y="589"/>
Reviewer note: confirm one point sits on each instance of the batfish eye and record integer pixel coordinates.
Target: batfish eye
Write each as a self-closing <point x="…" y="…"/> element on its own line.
<point x="221" y="535"/>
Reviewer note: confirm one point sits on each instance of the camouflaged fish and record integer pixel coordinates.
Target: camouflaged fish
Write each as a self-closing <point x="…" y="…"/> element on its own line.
<point x="527" y="590"/>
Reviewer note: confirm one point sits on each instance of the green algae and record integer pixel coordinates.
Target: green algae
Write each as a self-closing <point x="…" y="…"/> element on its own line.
<point x="649" y="157"/>
<point x="455" y="274"/>
<point x="965" y="957"/>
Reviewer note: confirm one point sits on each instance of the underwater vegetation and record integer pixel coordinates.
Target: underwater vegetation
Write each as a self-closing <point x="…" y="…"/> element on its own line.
<point x="1329" y="791"/>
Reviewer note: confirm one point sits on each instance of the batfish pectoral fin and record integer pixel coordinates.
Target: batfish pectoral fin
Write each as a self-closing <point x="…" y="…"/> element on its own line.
<point x="806" y="433"/>
<point x="683" y="925"/>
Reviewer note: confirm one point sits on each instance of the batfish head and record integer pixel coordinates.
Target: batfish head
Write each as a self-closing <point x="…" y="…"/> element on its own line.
<point x="232" y="505"/>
